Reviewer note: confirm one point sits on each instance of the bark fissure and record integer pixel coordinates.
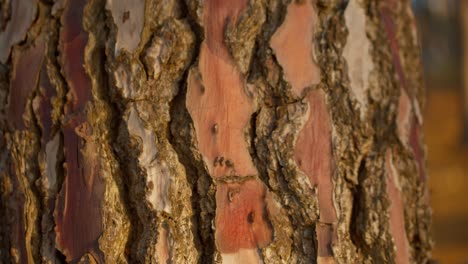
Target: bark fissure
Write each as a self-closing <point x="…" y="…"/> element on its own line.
<point x="187" y="131"/>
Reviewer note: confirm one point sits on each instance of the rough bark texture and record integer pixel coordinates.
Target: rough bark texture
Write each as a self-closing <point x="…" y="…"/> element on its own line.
<point x="464" y="27"/>
<point x="216" y="131"/>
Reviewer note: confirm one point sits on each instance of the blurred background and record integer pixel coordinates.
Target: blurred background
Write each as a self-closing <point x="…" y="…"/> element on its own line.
<point x="443" y="28"/>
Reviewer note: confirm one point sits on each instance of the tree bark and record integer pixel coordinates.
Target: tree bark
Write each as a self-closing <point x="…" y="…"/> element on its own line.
<point x="216" y="131"/>
<point x="464" y="27"/>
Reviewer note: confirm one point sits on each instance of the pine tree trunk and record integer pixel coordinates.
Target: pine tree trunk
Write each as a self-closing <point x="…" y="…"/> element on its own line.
<point x="464" y="27"/>
<point x="216" y="131"/>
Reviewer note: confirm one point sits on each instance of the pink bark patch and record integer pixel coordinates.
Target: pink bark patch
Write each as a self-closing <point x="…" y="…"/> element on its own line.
<point x="241" y="220"/>
<point x="397" y="214"/>
<point x="26" y="67"/>
<point x="293" y="46"/>
<point x="216" y="97"/>
<point x="313" y="155"/>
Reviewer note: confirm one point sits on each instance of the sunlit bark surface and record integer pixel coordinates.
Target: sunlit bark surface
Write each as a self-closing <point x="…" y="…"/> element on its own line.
<point x="215" y="131"/>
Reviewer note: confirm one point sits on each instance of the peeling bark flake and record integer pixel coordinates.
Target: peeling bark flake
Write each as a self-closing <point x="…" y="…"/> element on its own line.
<point x="293" y="46"/>
<point x="357" y="53"/>
<point x="129" y="18"/>
<point x="22" y="15"/>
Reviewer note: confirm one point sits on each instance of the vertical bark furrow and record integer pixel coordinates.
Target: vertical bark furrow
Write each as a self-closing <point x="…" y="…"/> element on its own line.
<point x="148" y="51"/>
<point x="89" y="211"/>
<point x="23" y="144"/>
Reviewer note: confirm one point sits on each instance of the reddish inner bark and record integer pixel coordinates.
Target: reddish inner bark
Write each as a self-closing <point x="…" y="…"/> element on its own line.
<point x="293" y="46"/>
<point x="241" y="221"/>
<point x="313" y="155"/>
<point x="221" y="110"/>
<point x="24" y="79"/>
<point x="78" y="211"/>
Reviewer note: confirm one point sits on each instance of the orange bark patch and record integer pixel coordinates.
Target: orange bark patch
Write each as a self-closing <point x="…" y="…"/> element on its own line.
<point x="26" y="68"/>
<point x="293" y="46"/>
<point x="241" y="220"/>
<point x="397" y="221"/>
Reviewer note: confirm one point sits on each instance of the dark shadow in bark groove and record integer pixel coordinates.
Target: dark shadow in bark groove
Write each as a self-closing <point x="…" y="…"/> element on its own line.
<point x="356" y="215"/>
<point x="115" y="120"/>
<point x="119" y="138"/>
<point x="197" y="176"/>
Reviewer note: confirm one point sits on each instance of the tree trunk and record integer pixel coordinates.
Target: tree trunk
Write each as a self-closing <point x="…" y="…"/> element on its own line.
<point x="464" y="27"/>
<point x="233" y="131"/>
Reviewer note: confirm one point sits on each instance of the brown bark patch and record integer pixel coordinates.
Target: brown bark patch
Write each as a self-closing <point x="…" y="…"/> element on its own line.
<point x="216" y="97"/>
<point x="293" y="46"/>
